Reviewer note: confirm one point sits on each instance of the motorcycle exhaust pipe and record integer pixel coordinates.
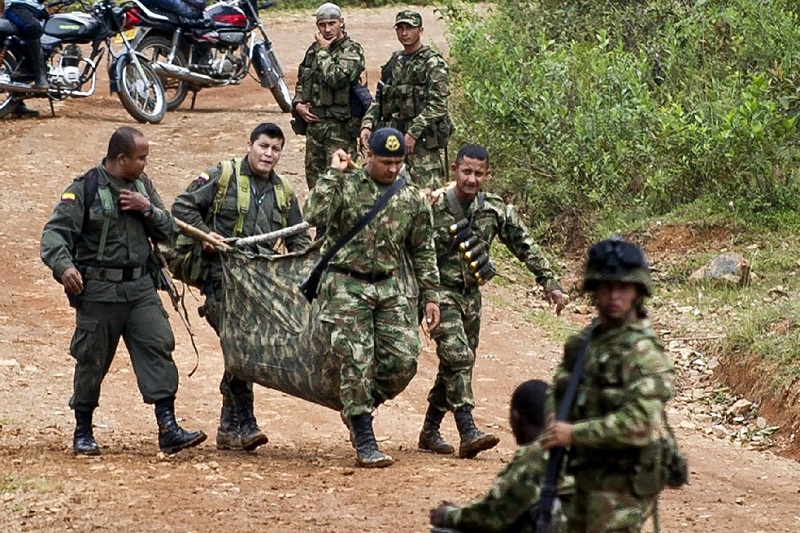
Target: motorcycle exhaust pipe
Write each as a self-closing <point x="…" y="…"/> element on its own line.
<point x="168" y="70"/>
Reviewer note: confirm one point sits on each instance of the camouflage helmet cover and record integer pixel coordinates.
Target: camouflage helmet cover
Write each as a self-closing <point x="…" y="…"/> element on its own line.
<point x="616" y="259"/>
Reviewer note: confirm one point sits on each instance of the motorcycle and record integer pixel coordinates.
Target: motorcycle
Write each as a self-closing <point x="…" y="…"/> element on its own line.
<point x="72" y="75"/>
<point x="215" y="51"/>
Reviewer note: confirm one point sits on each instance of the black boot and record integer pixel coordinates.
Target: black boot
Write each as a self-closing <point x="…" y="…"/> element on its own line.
<point x="171" y="437"/>
<point x="24" y="111"/>
<point x="367" y="453"/>
<point x="250" y="435"/>
<point x="83" y="442"/>
<point x="472" y="440"/>
<point x="347" y="423"/>
<point x="36" y="56"/>
<point x="429" y="438"/>
<point x="228" y="431"/>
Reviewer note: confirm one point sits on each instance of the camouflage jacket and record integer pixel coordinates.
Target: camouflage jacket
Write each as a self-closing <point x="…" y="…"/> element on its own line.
<point x="509" y="506"/>
<point x="413" y="95"/>
<point x="491" y="217"/>
<point x="264" y="215"/>
<point x="619" y="404"/>
<point x="325" y="75"/>
<point x="67" y="243"/>
<point x="340" y="200"/>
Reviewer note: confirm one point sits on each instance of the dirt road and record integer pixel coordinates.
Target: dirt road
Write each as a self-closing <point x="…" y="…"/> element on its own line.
<point x="304" y="479"/>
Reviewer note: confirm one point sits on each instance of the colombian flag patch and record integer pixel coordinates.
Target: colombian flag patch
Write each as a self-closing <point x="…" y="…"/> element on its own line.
<point x="68" y="197"/>
<point x="202" y="177"/>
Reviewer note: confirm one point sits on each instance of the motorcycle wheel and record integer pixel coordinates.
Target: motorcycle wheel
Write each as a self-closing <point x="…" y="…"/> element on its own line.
<point x="7" y="102"/>
<point x="142" y="98"/>
<point x="282" y="95"/>
<point x="157" y="48"/>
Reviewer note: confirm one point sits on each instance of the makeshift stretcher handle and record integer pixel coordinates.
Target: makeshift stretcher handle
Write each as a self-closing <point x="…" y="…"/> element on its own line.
<point x="269" y="237"/>
<point x="201" y="235"/>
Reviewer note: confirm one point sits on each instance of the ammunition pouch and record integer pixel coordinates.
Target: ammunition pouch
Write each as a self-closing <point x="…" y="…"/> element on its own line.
<point x="186" y="261"/>
<point x="485" y="273"/>
<point x="660" y="465"/>
<point x="437" y="135"/>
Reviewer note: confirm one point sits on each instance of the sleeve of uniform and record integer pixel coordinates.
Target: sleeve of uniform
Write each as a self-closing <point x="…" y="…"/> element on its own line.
<point x="421" y="249"/>
<point x="299" y="87"/>
<point x="192" y="205"/>
<point x="325" y="199"/>
<point x="515" y="490"/>
<point x="514" y="235"/>
<point x="62" y="230"/>
<point x="647" y="386"/>
<point x="160" y="225"/>
<point x="373" y="114"/>
<point x="340" y="70"/>
<point x="437" y="90"/>
<point x="301" y="241"/>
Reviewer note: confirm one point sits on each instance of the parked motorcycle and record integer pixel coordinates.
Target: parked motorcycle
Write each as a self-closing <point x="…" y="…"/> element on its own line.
<point x="214" y="51"/>
<point x="72" y="75"/>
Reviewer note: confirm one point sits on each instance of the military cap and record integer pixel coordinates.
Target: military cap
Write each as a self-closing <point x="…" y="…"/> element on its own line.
<point x="328" y="11"/>
<point x="407" y="16"/>
<point x="616" y="259"/>
<point x="387" y="142"/>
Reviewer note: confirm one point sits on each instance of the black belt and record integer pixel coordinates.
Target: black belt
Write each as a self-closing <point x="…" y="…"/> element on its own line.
<point x="371" y="278"/>
<point x="465" y="290"/>
<point x="114" y="274"/>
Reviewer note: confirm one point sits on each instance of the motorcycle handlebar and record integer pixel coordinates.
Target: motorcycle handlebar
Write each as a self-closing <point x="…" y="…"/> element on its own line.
<point x="265" y="5"/>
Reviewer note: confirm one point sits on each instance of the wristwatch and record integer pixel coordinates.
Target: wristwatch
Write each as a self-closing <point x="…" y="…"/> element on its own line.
<point x="147" y="212"/>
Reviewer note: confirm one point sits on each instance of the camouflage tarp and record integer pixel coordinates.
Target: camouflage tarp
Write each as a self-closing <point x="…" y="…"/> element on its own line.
<point x="270" y="335"/>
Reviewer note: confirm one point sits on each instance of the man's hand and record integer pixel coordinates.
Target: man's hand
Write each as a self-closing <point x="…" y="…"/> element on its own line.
<point x="557" y="297"/>
<point x="340" y="160"/>
<point x="410" y="142"/>
<point x="438" y="513"/>
<point x="364" y="136"/>
<point x="556" y="434"/>
<point x="208" y="247"/>
<point x="322" y="42"/>
<point x="72" y="281"/>
<point x="304" y="110"/>
<point x="132" y="201"/>
<point x="432" y="316"/>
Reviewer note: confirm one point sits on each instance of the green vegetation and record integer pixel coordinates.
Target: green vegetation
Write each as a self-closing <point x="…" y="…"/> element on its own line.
<point x="10" y="483"/>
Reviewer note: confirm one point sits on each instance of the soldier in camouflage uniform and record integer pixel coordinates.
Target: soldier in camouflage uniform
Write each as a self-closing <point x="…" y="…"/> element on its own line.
<point x="618" y="416"/>
<point x="322" y="94"/>
<point x="97" y="243"/>
<point x="511" y="503"/>
<point x="484" y="216"/>
<point x="412" y="97"/>
<point x="364" y="301"/>
<point x="272" y="206"/>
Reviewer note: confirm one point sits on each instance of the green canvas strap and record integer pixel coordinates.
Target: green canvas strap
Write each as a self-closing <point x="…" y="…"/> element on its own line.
<point x="107" y="203"/>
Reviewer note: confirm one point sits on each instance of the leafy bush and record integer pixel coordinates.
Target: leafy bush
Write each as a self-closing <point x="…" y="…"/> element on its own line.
<point x="589" y="108"/>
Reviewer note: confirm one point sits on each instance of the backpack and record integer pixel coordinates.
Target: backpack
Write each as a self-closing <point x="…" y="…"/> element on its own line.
<point x="185" y="260"/>
<point x="360" y="99"/>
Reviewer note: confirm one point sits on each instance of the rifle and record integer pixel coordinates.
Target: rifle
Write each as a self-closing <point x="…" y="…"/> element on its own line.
<point x="164" y="282"/>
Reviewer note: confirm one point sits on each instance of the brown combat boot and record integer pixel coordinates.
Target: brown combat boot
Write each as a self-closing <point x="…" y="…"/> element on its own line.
<point x="429" y="438"/>
<point x="473" y="441"/>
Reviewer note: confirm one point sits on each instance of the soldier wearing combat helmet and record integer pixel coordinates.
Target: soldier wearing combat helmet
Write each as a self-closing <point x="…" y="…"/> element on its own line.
<point x="618" y="417"/>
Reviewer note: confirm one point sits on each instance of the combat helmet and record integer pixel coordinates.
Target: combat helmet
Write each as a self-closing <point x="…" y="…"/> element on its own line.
<point x="616" y="259"/>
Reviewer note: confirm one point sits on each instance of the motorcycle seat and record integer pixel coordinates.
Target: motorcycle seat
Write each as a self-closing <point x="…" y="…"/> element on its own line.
<point x="8" y="28"/>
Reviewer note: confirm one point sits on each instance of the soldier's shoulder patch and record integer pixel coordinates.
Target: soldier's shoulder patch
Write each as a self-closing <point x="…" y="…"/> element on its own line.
<point x="203" y="177"/>
<point x="68" y="197"/>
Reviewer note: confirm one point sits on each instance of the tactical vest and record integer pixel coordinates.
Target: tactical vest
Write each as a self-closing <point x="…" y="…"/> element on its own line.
<point x="327" y="102"/>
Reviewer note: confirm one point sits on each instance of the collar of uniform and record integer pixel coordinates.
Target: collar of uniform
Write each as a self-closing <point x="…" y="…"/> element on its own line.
<point x="105" y="178"/>
<point x="412" y="54"/>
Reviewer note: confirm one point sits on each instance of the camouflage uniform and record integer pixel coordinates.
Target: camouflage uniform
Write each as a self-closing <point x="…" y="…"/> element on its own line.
<point x="323" y="79"/>
<point x="510" y="505"/>
<point x="264" y="215"/>
<point x="364" y="301"/>
<point x="413" y="99"/>
<point x="460" y="298"/>
<point x="617" y="412"/>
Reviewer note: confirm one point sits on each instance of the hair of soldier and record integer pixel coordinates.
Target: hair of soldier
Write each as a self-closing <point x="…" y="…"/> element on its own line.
<point x="123" y="141"/>
<point x="270" y="129"/>
<point x="472" y="151"/>
<point x="528" y="400"/>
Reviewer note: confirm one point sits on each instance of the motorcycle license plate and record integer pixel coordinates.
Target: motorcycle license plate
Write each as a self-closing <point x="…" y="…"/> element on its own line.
<point x="129" y="34"/>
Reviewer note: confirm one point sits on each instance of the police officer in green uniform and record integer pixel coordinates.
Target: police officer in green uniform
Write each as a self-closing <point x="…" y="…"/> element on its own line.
<point x="412" y="97"/>
<point x="465" y="222"/>
<point x="271" y="206"/>
<point x="616" y="422"/>
<point x="322" y="95"/>
<point x="97" y="244"/>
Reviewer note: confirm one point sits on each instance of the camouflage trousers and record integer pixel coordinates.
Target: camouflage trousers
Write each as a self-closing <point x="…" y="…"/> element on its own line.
<point x="374" y="334"/>
<point x="322" y="139"/>
<point x="425" y="167"/>
<point x="604" y="503"/>
<point x="456" y="342"/>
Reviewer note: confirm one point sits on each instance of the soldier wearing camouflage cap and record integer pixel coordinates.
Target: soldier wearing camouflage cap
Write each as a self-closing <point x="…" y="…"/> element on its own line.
<point x="364" y="296"/>
<point x="412" y="97"/>
<point x="322" y="95"/>
<point x="615" y="426"/>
